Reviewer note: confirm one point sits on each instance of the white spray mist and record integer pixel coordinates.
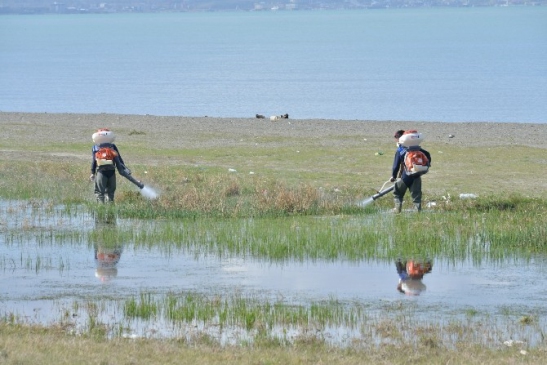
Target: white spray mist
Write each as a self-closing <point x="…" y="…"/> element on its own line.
<point x="365" y="202"/>
<point x="149" y="193"/>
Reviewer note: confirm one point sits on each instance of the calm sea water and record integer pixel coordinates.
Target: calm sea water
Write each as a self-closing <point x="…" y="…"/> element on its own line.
<point x="484" y="64"/>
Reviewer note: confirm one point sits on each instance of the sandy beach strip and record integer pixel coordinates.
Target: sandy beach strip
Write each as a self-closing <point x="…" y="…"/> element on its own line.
<point x="205" y="132"/>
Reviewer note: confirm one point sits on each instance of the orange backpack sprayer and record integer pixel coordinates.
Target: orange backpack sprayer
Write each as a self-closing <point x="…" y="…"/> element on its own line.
<point x="416" y="270"/>
<point x="416" y="162"/>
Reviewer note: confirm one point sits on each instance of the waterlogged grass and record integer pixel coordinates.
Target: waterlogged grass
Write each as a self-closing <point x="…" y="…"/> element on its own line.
<point x="225" y="320"/>
<point x="35" y="262"/>
<point x="38" y="345"/>
<point x="456" y="233"/>
<point x="483" y="229"/>
<point x="248" y="313"/>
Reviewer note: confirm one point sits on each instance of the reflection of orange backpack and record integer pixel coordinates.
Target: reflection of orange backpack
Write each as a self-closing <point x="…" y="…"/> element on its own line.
<point x="416" y="162"/>
<point x="415" y="269"/>
<point x="105" y="156"/>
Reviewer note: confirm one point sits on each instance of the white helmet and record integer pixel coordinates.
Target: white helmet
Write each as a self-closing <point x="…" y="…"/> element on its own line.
<point x="411" y="138"/>
<point x="413" y="287"/>
<point x="107" y="274"/>
<point x="103" y="135"/>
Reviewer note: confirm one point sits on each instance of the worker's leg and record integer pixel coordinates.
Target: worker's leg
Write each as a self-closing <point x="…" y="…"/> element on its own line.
<point x="416" y="193"/>
<point x="398" y="195"/>
<point x="101" y="182"/>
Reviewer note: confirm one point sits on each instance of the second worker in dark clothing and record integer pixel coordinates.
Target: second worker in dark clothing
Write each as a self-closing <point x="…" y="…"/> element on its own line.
<point x="405" y="179"/>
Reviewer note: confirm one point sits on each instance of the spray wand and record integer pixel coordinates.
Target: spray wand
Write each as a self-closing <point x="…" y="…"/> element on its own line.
<point x="383" y="191"/>
<point x="127" y="174"/>
<point x="146" y="191"/>
<point x="378" y="194"/>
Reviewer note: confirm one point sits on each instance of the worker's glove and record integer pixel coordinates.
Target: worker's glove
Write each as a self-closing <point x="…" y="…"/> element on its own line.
<point x="92" y="177"/>
<point x="393" y="179"/>
<point x="126" y="172"/>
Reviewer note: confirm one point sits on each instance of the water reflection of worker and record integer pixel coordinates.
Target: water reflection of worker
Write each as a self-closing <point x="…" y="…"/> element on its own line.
<point x="107" y="248"/>
<point x="411" y="274"/>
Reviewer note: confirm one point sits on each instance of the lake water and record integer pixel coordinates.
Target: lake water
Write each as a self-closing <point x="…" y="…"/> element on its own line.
<point x="451" y="65"/>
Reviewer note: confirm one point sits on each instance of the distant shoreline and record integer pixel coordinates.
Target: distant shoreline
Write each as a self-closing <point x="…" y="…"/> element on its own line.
<point x="117" y="7"/>
<point x="197" y="132"/>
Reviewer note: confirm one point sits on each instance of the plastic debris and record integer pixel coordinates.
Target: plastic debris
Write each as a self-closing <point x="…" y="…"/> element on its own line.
<point x="510" y="343"/>
<point x="468" y="196"/>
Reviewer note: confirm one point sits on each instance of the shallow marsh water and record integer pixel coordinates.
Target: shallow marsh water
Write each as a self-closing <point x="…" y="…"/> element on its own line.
<point x="49" y="271"/>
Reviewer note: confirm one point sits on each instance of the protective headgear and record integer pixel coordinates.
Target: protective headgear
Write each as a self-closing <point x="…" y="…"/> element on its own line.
<point x="412" y="287"/>
<point x="106" y="274"/>
<point x="103" y="135"/>
<point x="411" y="138"/>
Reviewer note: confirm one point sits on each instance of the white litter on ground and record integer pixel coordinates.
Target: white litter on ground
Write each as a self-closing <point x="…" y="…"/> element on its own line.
<point x="468" y="196"/>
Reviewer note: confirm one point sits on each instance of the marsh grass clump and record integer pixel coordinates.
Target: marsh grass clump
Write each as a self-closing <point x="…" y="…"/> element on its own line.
<point x="277" y="198"/>
<point x="226" y="195"/>
<point x="44" y="180"/>
<point x="259" y="321"/>
<point x="251" y="314"/>
<point x="144" y="308"/>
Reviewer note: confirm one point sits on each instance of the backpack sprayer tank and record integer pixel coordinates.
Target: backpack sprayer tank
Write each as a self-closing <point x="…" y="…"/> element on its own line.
<point x="415" y="161"/>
